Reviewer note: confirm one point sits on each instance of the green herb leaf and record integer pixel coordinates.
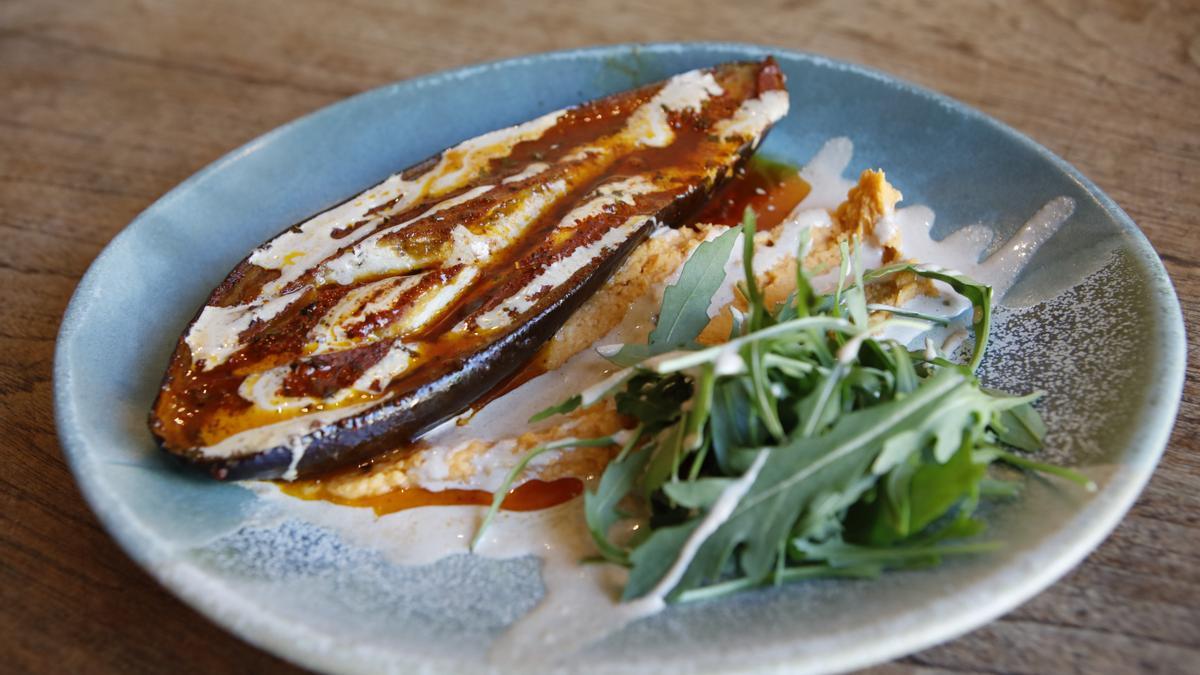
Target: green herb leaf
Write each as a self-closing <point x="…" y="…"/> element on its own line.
<point x="654" y="401"/>
<point x="754" y="297"/>
<point x="684" y="312"/>
<point x="506" y="486"/>
<point x="787" y="575"/>
<point x="1021" y="427"/>
<point x="697" y="494"/>
<point x="564" y="407"/>
<point x="1040" y="467"/>
<point x="836" y="553"/>
<point x="601" y="507"/>
<point x="979" y="294"/>
<point x="652" y="559"/>
<point x="936" y="488"/>
<point x="794" y="475"/>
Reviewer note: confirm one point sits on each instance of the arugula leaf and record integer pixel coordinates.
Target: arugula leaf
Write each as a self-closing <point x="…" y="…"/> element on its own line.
<point x="730" y="427"/>
<point x="684" y="312"/>
<point x="663" y="460"/>
<point x="936" y="488"/>
<point x="694" y="438"/>
<point x="691" y="359"/>
<point x="1041" y="467"/>
<point x="506" y="485"/>
<point x="979" y="294"/>
<point x="856" y="296"/>
<point x="600" y="506"/>
<point x="909" y="313"/>
<point x="821" y="407"/>
<point x="837" y="553"/>
<point x="565" y="407"/>
<point x="929" y="492"/>
<point x="1021" y="427"/>
<point x="787" y="575"/>
<point x="697" y="494"/>
<point x="794" y="474"/>
<point x="597" y="392"/>
<point x="752" y="293"/>
<point x="654" y="401"/>
<point x="653" y="557"/>
<point x="902" y="365"/>
<point x="764" y="398"/>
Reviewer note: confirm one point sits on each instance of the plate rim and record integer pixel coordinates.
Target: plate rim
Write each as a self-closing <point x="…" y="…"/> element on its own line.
<point x="1148" y="442"/>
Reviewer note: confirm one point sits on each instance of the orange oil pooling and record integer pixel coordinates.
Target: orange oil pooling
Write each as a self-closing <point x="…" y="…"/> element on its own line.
<point x="533" y="495"/>
<point x="769" y="187"/>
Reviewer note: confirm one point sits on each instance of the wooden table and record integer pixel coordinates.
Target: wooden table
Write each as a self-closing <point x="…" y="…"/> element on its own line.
<point x="105" y="106"/>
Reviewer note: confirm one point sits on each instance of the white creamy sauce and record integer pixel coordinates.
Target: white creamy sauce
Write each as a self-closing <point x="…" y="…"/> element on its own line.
<point x="288" y="432"/>
<point x="963" y="249"/>
<point x="580" y="603"/>
<point x="299" y="249"/>
<point x="376" y="378"/>
<point x="908" y="228"/>
<point x="825" y="175"/>
<point x="298" y="448"/>
<point x="372" y="257"/>
<point x="963" y="252"/>
<point x="474" y="154"/>
<point x="582" y="153"/>
<point x="528" y="172"/>
<point x="489" y="469"/>
<point x="604" y="197"/>
<point x="555" y="274"/>
<point x="430" y="305"/>
<point x="728" y="362"/>
<point x="947" y="305"/>
<point x="214" y="337"/>
<point x="305" y="246"/>
<point x="785" y="244"/>
<point x="471" y="248"/>
<point x="754" y="115"/>
<point x="648" y="126"/>
<point x="506" y="417"/>
<point x="263" y="389"/>
<point x="380" y="296"/>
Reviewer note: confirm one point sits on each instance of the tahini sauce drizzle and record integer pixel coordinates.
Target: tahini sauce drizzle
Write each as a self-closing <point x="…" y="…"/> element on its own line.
<point x="581" y="602"/>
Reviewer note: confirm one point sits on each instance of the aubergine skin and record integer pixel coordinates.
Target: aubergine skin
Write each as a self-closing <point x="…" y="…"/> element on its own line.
<point x="294" y="369"/>
<point x="357" y="439"/>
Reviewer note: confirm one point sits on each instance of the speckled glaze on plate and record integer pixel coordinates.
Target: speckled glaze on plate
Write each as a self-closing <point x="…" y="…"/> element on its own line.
<point x="1095" y="294"/>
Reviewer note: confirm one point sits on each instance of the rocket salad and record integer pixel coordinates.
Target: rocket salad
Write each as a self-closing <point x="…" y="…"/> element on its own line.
<point x="807" y="445"/>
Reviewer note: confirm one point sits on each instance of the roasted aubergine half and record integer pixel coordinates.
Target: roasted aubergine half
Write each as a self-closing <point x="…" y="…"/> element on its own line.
<point x="358" y="330"/>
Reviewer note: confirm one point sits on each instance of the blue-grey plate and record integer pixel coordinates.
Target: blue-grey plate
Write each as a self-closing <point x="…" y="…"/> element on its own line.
<point x="1107" y="346"/>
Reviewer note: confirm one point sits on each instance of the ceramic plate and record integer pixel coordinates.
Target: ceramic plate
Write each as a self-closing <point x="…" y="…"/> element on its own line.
<point x="1093" y="321"/>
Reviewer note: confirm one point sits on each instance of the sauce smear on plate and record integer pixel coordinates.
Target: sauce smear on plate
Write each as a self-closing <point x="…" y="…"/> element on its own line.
<point x="533" y="495"/>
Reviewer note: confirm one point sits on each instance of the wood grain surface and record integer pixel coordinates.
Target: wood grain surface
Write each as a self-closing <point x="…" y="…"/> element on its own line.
<point x="105" y="106"/>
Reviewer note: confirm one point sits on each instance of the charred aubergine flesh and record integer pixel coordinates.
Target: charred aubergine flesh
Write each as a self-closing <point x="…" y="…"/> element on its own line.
<point x="365" y="326"/>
